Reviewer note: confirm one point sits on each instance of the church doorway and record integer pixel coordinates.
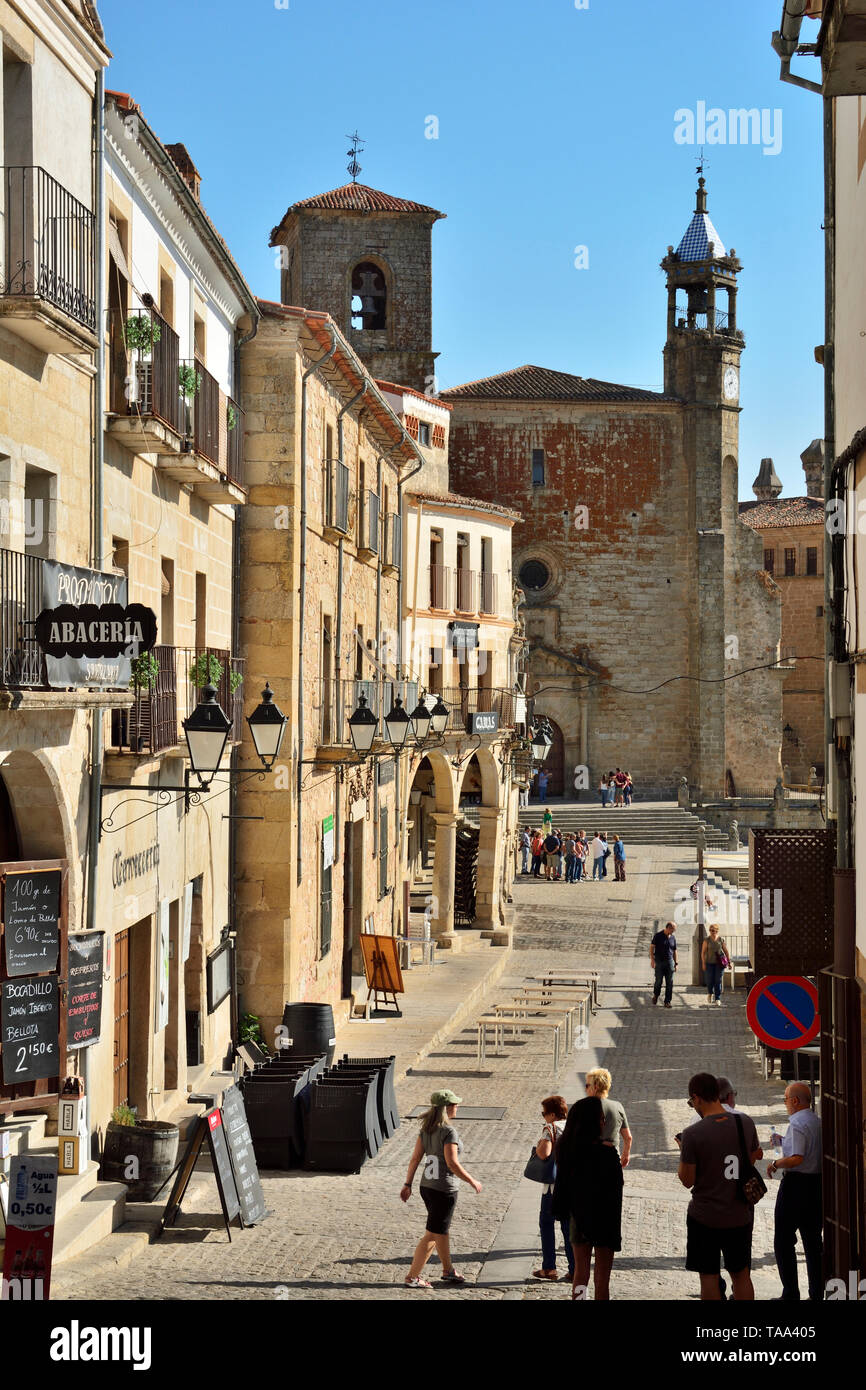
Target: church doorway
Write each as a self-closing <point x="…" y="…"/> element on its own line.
<point x="554" y="763"/>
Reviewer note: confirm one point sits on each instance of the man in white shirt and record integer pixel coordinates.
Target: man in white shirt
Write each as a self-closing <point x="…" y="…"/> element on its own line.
<point x="598" y="849"/>
<point x="798" y="1205"/>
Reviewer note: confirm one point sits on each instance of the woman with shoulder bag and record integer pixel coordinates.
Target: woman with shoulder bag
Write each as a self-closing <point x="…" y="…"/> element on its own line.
<point x="553" y="1113"/>
<point x="438" y="1146"/>
<point x="715" y="961"/>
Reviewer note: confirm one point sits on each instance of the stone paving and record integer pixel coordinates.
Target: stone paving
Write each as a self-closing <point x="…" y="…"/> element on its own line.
<point x="349" y="1236"/>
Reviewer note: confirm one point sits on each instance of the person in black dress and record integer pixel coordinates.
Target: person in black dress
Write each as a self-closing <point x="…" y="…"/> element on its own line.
<point x="588" y="1194"/>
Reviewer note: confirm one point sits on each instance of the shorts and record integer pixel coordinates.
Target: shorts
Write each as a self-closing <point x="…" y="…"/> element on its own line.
<point x="707" y="1247"/>
<point x="440" y="1209"/>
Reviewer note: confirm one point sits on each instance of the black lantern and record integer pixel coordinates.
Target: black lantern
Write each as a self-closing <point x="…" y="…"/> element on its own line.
<point x="439" y="716"/>
<point x="397" y="723"/>
<point x="207" y="730"/>
<point x="362" y="727"/>
<point x="541" y="744"/>
<point x="420" y="718"/>
<point x="267" y="726"/>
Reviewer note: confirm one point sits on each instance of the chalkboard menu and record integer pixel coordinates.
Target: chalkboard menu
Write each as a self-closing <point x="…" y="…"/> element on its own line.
<point x="84" y="1000"/>
<point x="29" y="1028"/>
<point x="31" y="921"/>
<point x="240" y="1143"/>
<point x="222" y="1165"/>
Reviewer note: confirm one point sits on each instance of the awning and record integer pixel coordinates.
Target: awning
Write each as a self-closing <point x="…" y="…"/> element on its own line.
<point x="116" y="250"/>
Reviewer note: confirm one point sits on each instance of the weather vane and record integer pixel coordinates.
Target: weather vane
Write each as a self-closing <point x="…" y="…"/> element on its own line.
<point x="357" y="146"/>
<point x="702" y="163"/>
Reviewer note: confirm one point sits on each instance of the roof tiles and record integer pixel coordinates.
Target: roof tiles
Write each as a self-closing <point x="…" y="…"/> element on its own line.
<point x="530" y="383"/>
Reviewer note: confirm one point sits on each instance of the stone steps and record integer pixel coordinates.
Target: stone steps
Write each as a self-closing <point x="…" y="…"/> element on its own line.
<point x="87" y="1210"/>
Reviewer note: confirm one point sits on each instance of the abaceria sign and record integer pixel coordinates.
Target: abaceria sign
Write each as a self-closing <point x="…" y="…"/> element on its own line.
<point x="88" y="630"/>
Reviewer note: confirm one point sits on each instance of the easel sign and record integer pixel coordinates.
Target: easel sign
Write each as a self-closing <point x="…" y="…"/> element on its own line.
<point x="382" y="969"/>
<point x="208" y="1127"/>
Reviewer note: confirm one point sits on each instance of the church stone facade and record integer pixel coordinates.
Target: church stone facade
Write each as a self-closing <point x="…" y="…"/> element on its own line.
<point x="646" y="597"/>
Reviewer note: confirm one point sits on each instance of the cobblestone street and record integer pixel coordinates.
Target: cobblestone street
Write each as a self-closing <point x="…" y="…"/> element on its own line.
<point x="349" y="1237"/>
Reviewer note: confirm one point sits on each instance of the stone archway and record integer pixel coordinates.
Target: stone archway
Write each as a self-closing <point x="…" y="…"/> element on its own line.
<point x="485" y="772"/>
<point x="36" y="807"/>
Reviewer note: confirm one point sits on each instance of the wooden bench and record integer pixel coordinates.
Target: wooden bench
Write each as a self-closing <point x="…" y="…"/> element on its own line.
<point x="563" y="979"/>
<point x="499" y="1021"/>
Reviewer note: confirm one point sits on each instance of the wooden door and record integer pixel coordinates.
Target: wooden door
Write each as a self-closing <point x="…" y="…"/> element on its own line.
<point x="121" y="1018"/>
<point x="554" y="764"/>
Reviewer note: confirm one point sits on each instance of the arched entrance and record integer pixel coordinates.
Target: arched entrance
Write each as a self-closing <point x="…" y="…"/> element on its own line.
<point x="554" y="763"/>
<point x="33" y="810"/>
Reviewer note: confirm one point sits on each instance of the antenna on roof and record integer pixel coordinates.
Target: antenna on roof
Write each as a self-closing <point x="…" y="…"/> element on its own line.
<point x="353" y="166"/>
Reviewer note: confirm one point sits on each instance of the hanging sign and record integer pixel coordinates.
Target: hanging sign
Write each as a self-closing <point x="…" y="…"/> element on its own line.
<point x="30" y="1028"/>
<point x="783" y="1012"/>
<point x="484" y="722"/>
<point x="84" y="999"/>
<point x="327" y="842"/>
<point x="87" y="630"/>
<point x="31" y="919"/>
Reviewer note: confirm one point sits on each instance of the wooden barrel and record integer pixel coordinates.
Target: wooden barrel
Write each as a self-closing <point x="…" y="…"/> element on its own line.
<point x="141" y="1155"/>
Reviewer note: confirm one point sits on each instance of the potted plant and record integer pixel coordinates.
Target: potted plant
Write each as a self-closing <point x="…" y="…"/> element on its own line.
<point x="207" y="669"/>
<point x="145" y="669"/>
<point x="140" y="1153"/>
<point x="141" y="333"/>
<point x="189" y="385"/>
<point x="231" y="417"/>
<point x="250" y="1030"/>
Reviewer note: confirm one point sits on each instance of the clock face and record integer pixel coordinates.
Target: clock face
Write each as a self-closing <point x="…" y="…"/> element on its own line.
<point x="731" y="384"/>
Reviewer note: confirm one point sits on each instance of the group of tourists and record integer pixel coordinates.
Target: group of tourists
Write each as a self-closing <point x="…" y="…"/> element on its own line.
<point x="568" y="857"/>
<point x="616" y="788"/>
<point x="584" y="1148"/>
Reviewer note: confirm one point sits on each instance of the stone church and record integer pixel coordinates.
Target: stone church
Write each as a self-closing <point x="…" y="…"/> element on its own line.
<point x="646" y="598"/>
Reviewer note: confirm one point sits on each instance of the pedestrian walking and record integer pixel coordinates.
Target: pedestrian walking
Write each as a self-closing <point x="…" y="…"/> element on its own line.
<point x="438" y="1146"/>
<point x="598" y="1083"/>
<point x="598" y="848"/>
<point x="553" y="1113"/>
<point x="798" y="1205"/>
<point x="719" y="1220"/>
<point x="618" y="859"/>
<point x="588" y="1192"/>
<point x="525" y="850"/>
<point x="714" y="962"/>
<point x="663" y="959"/>
<point x="537" y="853"/>
<point x="543" y="779"/>
<point x="547" y="822"/>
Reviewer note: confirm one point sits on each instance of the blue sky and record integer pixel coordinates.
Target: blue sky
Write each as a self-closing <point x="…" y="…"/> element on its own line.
<point x="555" y="130"/>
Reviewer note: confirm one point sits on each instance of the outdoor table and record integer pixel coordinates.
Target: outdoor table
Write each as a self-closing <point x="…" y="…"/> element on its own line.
<point x="497" y="1022"/>
<point x="575" y="1000"/>
<point x="524" y="1008"/>
<point x="558" y="979"/>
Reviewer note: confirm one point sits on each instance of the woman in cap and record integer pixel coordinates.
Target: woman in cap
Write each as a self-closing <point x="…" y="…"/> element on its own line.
<point x="438" y="1147"/>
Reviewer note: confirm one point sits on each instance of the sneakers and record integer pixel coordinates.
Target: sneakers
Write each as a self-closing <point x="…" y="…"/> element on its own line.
<point x="719" y="1003"/>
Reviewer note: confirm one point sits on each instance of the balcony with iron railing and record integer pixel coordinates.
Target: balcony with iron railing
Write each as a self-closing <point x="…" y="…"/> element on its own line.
<point x="467" y="591"/>
<point x="172" y="406"/>
<point x="47" y="278"/>
<point x="368" y="548"/>
<point x="336" y="500"/>
<point x="22" y="665"/>
<point x="440" y="587"/>
<point x="392" y="537"/>
<point x="169" y="695"/>
<point x="335" y="701"/>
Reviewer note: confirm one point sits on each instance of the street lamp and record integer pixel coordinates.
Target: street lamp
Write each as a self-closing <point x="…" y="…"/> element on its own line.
<point x="397" y="723"/>
<point x="206" y="730"/>
<point x="439" y="716"/>
<point x="362" y="727"/>
<point x="267" y="726"/>
<point x="420" y="718"/>
<point x="541" y="744"/>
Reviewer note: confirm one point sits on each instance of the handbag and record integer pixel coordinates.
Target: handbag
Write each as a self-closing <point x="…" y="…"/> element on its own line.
<point x="541" y="1169"/>
<point x="750" y="1184"/>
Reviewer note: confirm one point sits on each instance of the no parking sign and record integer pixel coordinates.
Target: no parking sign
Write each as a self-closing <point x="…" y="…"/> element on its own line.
<point x="783" y="1011"/>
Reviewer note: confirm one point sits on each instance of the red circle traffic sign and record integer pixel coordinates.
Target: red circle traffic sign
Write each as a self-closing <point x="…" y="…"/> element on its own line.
<point x="783" y="1011"/>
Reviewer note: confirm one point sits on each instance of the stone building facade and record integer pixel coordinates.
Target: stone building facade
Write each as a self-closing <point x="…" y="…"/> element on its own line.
<point x="792" y="533"/>
<point x="643" y="590"/>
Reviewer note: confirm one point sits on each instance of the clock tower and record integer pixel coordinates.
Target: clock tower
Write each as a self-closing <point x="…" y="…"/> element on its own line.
<point x="702" y="367"/>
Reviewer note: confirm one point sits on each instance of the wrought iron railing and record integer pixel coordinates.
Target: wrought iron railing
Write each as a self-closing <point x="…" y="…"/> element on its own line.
<point x="337" y="510"/>
<point x="234" y="462"/>
<point x="701" y="319"/>
<point x="205" y="413"/>
<point x="371" y="520"/>
<point x="393" y="540"/>
<point x="155" y="721"/>
<point x="464" y="700"/>
<point x="145" y="380"/>
<point x="488" y="592"/>
<point x="21" y="662"/>
<point x="48" y="249"/>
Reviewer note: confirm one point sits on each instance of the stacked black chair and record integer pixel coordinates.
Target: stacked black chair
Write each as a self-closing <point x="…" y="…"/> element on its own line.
<point x="274" y="1098"/>
<point x="389" y="1119"/>
<point x="342" y="1126"/>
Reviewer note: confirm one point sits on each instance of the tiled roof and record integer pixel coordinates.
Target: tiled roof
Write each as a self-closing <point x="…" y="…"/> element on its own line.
<point x="455" y="499"/>
<point x="530" y="383"/>
<point x="357" y="197"/>
<point x="695" y="245"/>
<point x="410" y="391"/>
<point x="783" y="511"/>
